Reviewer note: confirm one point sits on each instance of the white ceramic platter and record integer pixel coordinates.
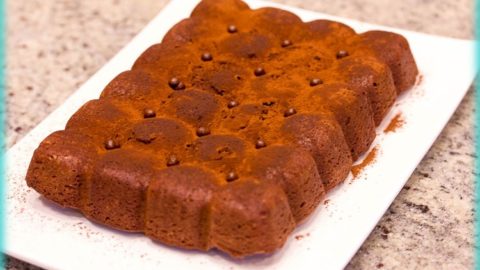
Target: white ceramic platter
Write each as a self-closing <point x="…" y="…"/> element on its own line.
<point x="48" y="236"/>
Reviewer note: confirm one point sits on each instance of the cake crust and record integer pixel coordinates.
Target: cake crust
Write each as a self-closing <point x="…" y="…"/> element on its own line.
<point x="228" y="133"/>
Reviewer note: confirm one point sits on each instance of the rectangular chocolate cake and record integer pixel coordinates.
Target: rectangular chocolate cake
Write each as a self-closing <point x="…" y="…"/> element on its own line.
<point x="229" y="132"/>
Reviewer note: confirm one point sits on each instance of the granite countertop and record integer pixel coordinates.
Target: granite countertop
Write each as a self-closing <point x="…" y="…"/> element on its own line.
<point x="53" y="46"/>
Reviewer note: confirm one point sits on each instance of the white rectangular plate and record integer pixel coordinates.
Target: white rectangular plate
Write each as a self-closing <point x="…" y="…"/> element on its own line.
<point x="51" y="237"/>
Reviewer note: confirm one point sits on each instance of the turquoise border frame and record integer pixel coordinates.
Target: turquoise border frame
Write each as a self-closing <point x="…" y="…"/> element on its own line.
<point x="2" y="128"/>
<point x="477" y="139"/>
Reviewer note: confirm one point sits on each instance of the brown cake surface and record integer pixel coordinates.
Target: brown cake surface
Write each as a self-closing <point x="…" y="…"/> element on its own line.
<point x="228" y="133"/>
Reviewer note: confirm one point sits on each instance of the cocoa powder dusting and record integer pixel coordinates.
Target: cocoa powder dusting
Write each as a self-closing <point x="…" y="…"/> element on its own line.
<point x="356" y="169"/>
<point x="419" y="80"/>
<point x="396" y="123"/>
<point x="300" y="236"/>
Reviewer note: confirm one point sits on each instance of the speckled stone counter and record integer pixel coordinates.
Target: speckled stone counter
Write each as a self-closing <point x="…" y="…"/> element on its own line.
<point x="53" y="46"/>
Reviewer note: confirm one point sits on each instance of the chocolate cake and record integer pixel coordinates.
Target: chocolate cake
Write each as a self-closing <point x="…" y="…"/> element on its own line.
<point x="229" y="132"/>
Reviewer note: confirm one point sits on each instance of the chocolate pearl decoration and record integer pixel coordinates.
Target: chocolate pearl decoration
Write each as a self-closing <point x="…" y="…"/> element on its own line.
<point x="111" y="144"/>
<point x="174" y="82"/>
<point x="202" y="131"/>
<point x="207" y="57"/>
<point x="290" y="112"/>
<point x="231" y="176"/>
<point x="180" y="86"/>
<point x="260" y="144"/>
<point x="259" y="71"/>
<point x="172" y="160"/>
<point x="232" y="104"/>
<point x="149" y="113"/>
<point x="268" y="103"/>
<point x="232" y="29"/>
<point x="286" y="43"/>
<point x="341" y="54"/>
<point x="315" y="82"/>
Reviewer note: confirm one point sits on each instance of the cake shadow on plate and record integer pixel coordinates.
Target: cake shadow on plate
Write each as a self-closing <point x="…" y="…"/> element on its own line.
<point x="55" y="207"/>
<point x="258" y="259"/>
